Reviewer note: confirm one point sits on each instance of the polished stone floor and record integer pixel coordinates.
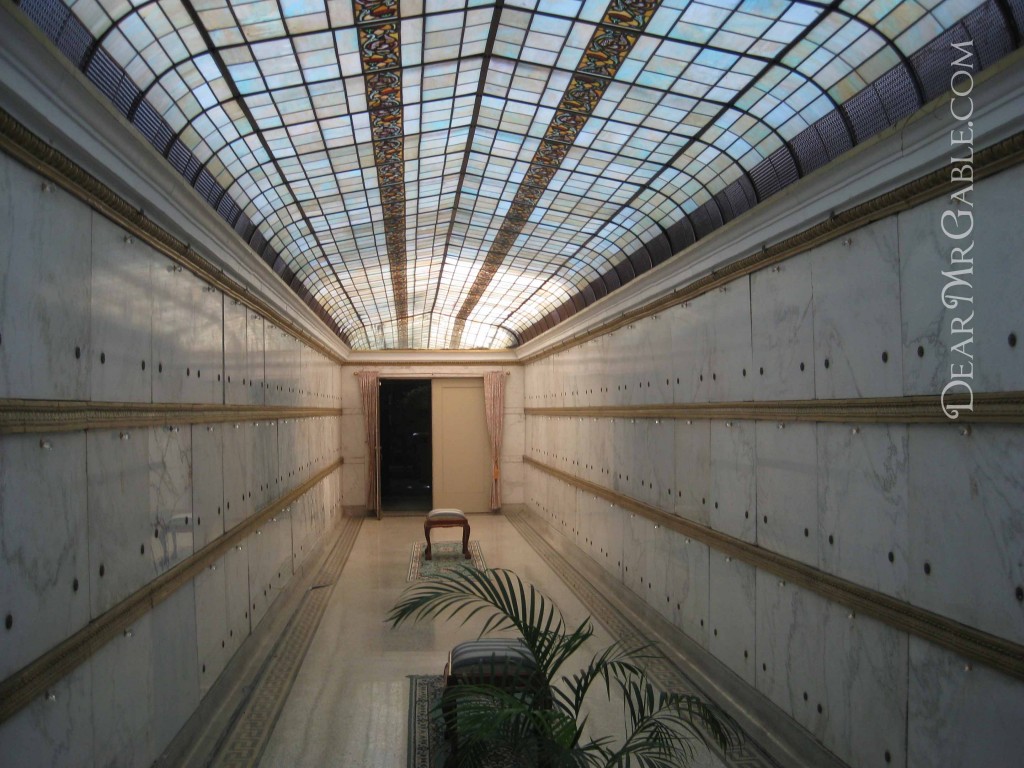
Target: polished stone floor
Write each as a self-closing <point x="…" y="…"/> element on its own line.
<point x="349" y="703"/>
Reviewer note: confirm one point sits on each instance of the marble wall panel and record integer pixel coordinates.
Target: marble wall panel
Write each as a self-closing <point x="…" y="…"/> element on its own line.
<point x="45" y="586"/>
<point x="960" y="712"/>
<point x="731" y="611"/>
<point x="145" y="683"/>
<point x="690" y="331"/>
<point x="865" y="689"/>
<point x="261" y="559"/>
<point x="255" y="380"/>
<point x="237" y="466"/>
<point x="732" y="505"/>
<point x="993" y="289"/>
<point x="280" y="529"/>
<point x="787" y="489"/>
<point x="856" y="305"/>
<point x="208" y="482"/>
<point x="236" y="588"/>
<point x="210" y="588"/>
<point x="54" y="730"/>
<point x="653" y="358"/>
<point x="174" y="670"/>
<point x="862" y="495"/>
<point x="122" y="698"/>
<point x="121" y="526"/>
<point x="636" y="553"/>
<point x="187" y="338"/>
<point x="731" y="362"/>
<point x="790" y="661"/>
<point x="609" y="532"/>
<point x="656" y="463"/>
<point x="121" y="342"/>
<point x="236" y="353"/>
<point x="687" y="584"/>
<point x="966" y="527"/>
<point x="624" y="443"/>
<point x="782" y="329"/>
<point x="692" y="470"/>
<point x="46" y="243"/>
<point x="276" y="364"/>
<point x="170" y="496"/>
<point x="655" y="590"/>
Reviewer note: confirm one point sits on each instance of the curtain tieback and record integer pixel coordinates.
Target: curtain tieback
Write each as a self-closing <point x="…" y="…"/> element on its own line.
<point x="497" y="471"/>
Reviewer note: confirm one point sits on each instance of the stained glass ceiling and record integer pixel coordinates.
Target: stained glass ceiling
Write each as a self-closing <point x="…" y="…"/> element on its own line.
<point x="462" y="174"/>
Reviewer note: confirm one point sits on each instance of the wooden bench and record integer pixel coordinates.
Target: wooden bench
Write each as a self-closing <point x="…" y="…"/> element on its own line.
<point x="447" y="518"/>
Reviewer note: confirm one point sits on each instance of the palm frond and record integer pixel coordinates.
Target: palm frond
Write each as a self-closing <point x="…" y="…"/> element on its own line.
<point x="465" y="592"/>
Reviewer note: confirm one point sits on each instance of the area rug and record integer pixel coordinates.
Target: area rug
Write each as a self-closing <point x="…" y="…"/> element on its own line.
<point x="445" y="555"/>
<point x="427" y="747"/>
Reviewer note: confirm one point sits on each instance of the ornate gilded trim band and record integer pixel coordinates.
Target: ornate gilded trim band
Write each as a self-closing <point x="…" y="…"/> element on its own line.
<point x="990" y="408"/>
<point x="21" y="416"/>
<point x="987" y="162"/>
<point x="32" y="681"/>
<point x="1002" y="655"/>
<point x="23" y="145"/>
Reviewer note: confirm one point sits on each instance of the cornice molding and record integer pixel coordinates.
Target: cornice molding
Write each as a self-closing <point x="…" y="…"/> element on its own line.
<point x="989" y="408"/>
<point x="21" y="416"/>
<point x="998" y="653"/>
<point x="34" y="679"/>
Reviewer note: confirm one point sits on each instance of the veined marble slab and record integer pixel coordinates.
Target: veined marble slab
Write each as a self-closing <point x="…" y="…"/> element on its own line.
<point x="961" y="713"/>
<point x="782" y="329"/>
<point x="732" y="597"/>
<point x="732" y="505"/>
<point x="121" y="359"/>
<point x="966" y="526"/>
<point x="865" y="720"/>
<point x="988" y="301"/>
<point x="790" y="662"/>
<point x="731" y="362"/>
<point x="787" y="489"/>
<point x="207" y="482"/>
<point x="54" y="730"/>
<point x="45" y="244"/>
<point x="862" y="495"/>
<point x="690" y="332"/>
<point x="693" y="470"/>
<point x="857" y="326"/>
<point x="45" y="586"/>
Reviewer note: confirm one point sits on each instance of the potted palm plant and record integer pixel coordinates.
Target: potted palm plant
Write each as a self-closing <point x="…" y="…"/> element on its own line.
<point x="541" y="725"/>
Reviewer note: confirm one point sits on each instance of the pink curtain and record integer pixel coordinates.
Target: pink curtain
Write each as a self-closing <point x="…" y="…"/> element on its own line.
<point x="494" y="411"/>
<point x="369" y="389"/>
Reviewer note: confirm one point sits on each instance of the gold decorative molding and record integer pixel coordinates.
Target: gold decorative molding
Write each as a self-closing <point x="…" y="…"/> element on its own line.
<point x="34" y="679"/>
<point x="987" y="162"/>
<point x="23" y="145"/>
<point x="1002" y="655"/>
<point x="21" y="416"/>
<point x="989" y="407"/>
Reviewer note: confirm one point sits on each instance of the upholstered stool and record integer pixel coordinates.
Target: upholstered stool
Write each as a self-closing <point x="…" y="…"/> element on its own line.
<point x="447" y="518"/>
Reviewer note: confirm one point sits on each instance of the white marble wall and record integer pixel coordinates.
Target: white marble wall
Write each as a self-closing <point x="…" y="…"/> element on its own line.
<point x="88" y="518"/>
<point x="928" y="514"/>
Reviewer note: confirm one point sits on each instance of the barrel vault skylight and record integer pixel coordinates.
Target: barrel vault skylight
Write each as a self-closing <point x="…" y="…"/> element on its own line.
<point x="464" y="174"/>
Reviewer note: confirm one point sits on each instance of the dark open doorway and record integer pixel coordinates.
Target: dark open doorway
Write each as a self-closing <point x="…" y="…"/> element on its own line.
<point x="405" y="445"/>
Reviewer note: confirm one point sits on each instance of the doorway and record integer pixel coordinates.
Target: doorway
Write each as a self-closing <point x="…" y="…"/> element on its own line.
<point x="406" y="466"/>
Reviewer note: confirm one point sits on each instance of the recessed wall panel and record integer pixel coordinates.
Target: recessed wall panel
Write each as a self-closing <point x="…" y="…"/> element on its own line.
<point x="45" y="584"/>
<point x="45" y="243"/>
<point x="857" y="325"/>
